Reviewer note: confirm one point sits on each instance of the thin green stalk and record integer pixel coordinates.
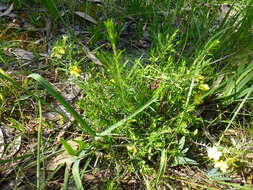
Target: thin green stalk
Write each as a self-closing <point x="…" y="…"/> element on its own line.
<point x="39" y="141"/>
<point x="66" y="178"/>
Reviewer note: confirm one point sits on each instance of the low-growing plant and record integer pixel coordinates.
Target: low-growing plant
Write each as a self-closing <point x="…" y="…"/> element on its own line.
<point x="142" y="113"/>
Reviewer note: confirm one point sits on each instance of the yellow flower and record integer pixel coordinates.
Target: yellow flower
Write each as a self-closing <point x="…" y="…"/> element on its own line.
<point x="58" y="51"/>
<point x="197" y="99"/>
<point x="231" y="161"/>
<point x="75" y="71"/>
<point x="199" y="78"/>
<point x="213" y="153"/>
<point x="204" y="87"/>
<point x="222" y="165"/>
<point x="132" y="148"/>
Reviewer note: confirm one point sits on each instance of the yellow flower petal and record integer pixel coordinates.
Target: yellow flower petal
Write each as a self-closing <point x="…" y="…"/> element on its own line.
<point x="231" y="161"/>
<point x="58" y="51"/>
<point x="222" y="165"/>
<point x="199" y="78"/>
<point x="132" y="148"/>
<point x="204" y="87"/>
<point x="75" y="71"/>
<point x="197" y="99"/>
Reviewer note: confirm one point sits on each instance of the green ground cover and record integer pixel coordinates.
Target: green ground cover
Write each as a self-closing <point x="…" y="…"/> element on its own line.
<point x="135" y="94"/>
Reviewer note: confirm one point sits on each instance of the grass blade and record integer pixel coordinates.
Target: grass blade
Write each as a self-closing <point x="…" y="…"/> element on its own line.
<point x="76" y="175"/>
<point x="51" y="7"/>
<point x="235" y="114"/>
<point x="51" y="89"/>
<point x="5" y="76"/>
<point x="163" y="163"/>
<point x="121" y="122"/>
<point x="68" y="148"/>
<point x="39" y="136"/>
<point x="66" y="178"/>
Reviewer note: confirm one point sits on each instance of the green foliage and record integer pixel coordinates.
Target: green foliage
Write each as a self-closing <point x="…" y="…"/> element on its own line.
<point x="50" y="5"/>
<point x="69" y="148"/>
<point x="145" y="107"/>
<point x="179" y="154"/>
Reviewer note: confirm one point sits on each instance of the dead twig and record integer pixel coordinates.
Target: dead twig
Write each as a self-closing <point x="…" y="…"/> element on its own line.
<point x="222" y="59"/>
<point x="91" y="56"/>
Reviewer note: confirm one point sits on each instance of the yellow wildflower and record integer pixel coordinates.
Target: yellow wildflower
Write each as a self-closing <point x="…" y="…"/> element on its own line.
<point x="199" y="78"/>
<point x="231" y="161"/>
<point x="204" y="87"/>
<point x="58" y="51"/>
<point x="75" y="71"/>
<point x="213" y="153"/>
<point x="222" y="165"/>
<point x="60" y="120"/>
<point x="132" y="148"/>
<point x="198" y="99"/>
<point x="195" y="132"/>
